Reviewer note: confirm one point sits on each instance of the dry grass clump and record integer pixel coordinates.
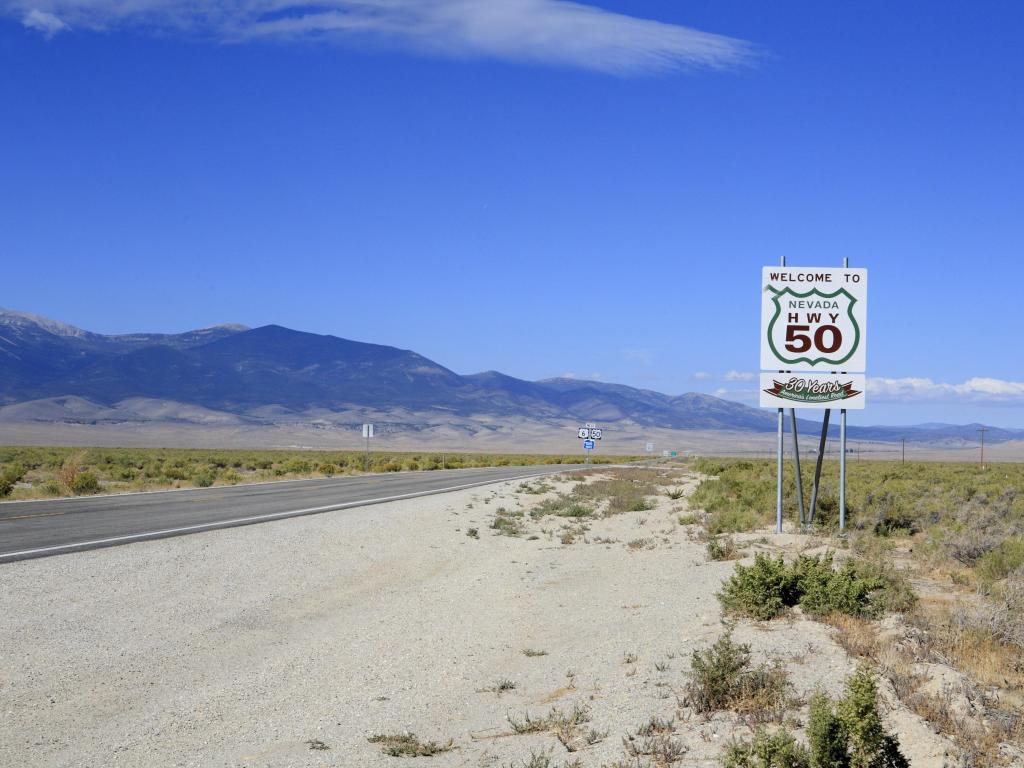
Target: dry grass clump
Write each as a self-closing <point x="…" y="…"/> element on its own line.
<point x="662" y="748"/>
<point x="554" y="721"/>
<point x="408" y="745"/>
<point x="627" y="490"/>
<point x="722" y="548"/>
<point x="507" y="523"/>
<point x="723" y="678"/>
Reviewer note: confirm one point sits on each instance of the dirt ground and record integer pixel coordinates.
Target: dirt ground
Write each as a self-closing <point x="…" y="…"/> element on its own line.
<point x="291" y="643"/>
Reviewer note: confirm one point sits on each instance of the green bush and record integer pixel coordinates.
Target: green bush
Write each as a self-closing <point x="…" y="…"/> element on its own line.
<point x="722" y="548"/>
<point x="203" y="479"/>
<point x="843" y="734"/>
<point x="1000" y="562"/>
<point x="762" y="590"/>
<point x="868" y="743"/>
<point x="84" y="484"/>
<point x="721" y="677"/>
<point x="769" y="586"/>
<point x="826" y="733"/>
<point x="6" y="486"/>
<point x="775" y="750"/>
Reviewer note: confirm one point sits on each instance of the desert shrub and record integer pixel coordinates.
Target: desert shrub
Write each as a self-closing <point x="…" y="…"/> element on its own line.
<point x="69" y="470"/>
<point x="767" y="750"/>
<point x="769" y="586"/>
<point x="722" y="677"/>
<point x="507" y="523"/>
<point x="296" y="467"/>
<point x="203" y="479"/>
<point x="969" y="545"/>
<point x="826" y="734"/>
<point x="10" y="476"/>
<point x="868" y="743"/>
<point x="824" y="590"/>
<point x="230" y="476"/>
<point x="408" y="745"/>
<point x="722" y="548"/>
<point x="627" y="492"/>
<point x="1001" y="560"/>
<point x="327" y="469"/>
<point x="762" y="590"/>
<point x="84" y="484"/>
<point x="732" y="520"/>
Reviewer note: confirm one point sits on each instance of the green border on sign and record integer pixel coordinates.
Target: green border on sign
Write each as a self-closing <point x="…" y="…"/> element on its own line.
<point x="811" y="292"/>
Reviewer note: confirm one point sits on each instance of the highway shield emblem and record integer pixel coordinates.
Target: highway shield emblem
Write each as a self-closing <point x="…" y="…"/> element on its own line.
<point x="813" y="327"/>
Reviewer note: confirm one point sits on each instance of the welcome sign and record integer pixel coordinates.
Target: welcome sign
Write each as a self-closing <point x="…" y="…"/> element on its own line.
<point x="814" y="319"/>
<point x="813" y="337"/>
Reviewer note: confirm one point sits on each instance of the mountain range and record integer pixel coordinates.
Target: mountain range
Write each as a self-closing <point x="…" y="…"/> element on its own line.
<point x="51" y="371"/>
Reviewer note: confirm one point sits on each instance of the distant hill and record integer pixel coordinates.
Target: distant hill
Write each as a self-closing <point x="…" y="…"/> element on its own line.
<point x="53" y="371"/>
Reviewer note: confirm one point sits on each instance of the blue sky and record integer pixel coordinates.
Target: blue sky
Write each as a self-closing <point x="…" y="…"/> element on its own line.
<point x="537" y="187"/>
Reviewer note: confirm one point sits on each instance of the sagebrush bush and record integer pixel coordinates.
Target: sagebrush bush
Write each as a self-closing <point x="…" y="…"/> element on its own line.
<point x="869" y="745"/>
<point x="722" y="548"/>
<point x="762" y="590"/>
<point x="767" y="750"/>
<point x="722" y="677"/>
<point x="769" y="586"/>
<point x="847" y="733"/>
<point x="826" y="734"/>
<point x="84" y="484"/>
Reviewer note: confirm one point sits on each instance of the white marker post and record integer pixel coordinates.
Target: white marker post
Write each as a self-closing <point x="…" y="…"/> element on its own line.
<point x="367" y="434"/>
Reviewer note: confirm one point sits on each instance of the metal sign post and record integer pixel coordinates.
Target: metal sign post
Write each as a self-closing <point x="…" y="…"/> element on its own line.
<point x="589" y="434"/>
<point x="367" y="434"/>
<point x="813" y="333"/>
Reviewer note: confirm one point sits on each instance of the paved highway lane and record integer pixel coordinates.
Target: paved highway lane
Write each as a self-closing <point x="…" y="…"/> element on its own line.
<point x="51" y="527"/>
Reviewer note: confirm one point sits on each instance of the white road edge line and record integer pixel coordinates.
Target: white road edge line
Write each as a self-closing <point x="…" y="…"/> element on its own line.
<point x="271" y="516"/>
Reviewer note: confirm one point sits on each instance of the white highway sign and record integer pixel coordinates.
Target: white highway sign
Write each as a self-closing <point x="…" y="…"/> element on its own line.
<point x="814" y="319"/>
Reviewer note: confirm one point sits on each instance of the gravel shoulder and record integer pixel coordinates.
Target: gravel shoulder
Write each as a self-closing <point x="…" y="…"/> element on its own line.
<point x="252" y="646"/>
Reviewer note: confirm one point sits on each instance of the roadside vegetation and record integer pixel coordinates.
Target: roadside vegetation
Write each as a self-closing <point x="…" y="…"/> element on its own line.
<point x="937" y="550"/>
<point x="31" y="472"/>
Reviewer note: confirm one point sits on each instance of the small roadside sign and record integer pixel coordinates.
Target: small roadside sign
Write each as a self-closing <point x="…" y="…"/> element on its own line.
<point x="812" y="390"/>
<point x="649" y="447"/>
<point x="367" y="430"/>
<point x="596" y="433"/>
<point x="589" y="445"/>
<point x="584" y="433"/>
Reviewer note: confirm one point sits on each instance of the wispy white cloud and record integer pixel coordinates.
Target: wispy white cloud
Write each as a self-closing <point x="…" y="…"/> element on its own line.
<point x="974" y="390"/>
<point x="739" y="376"/>
<point x="702" y="375"/>
<point x="548" y="31"/>
<point x="43" y="22"/>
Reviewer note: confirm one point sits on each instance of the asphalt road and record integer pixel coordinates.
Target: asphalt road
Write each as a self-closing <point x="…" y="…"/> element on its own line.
<point x="30" y="529"/>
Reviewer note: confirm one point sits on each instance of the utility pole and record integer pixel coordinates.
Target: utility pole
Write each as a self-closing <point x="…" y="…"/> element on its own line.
<point x="983" y="430"/>
<point x="904" y="450"/>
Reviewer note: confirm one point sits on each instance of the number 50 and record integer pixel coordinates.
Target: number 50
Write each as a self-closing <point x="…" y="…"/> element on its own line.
<point x="798" y="340"/>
